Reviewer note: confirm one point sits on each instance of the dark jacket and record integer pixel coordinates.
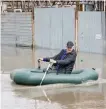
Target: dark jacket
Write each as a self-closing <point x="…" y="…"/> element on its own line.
<point x="67" y="63"/>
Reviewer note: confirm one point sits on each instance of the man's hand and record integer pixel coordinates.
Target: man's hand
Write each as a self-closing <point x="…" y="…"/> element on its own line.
<point x="52" y="61"/>
<point x="40" y="59"/>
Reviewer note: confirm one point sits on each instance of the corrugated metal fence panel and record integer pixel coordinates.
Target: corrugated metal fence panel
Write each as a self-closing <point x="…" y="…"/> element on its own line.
<point x="24" y="29"/>
<point x="83" y="35"/>
<point x="105" y="33"/>
<point x="8" y="29"/>
<point x="42" y="27"/>
<point x="68" y="26"/>
<point x="103" y="22"/>
<point x="90" y="33"/>
<point x="54" y="27"/>
<point x="16" y="29"/>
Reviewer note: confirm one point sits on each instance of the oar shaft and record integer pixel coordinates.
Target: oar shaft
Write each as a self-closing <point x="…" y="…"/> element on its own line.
<point x="45" y="73"/>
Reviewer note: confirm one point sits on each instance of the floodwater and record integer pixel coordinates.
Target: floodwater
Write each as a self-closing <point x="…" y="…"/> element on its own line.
<point x="90" y="95"/>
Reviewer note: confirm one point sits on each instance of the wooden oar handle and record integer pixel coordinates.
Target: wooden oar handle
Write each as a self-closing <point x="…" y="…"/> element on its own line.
<point x="39" y="66"/>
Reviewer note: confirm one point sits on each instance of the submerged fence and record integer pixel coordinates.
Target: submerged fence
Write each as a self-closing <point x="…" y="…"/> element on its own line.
<point x="16" y="29"/>
<point x="53" y="27"/>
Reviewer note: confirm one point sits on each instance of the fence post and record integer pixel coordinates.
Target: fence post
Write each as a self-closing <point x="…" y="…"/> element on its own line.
<point x="104" y="5"/>
<point x="76" y="25"/>
<point x="33" y="41"/>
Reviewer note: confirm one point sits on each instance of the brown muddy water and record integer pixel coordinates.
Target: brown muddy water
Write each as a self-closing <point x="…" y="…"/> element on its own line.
<point x="90" y="95"/>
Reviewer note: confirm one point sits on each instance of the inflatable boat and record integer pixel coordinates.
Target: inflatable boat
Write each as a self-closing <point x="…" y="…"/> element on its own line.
<point x="34" y="77"/>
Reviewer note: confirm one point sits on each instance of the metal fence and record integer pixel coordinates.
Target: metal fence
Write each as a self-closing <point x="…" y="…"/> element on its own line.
<point x="16" y="29"/>
<point x="54" y="27"/>
<point x="92" y="29"/>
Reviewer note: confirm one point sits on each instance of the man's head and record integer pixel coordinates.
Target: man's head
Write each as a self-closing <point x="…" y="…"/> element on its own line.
<point x="70" y="46"/>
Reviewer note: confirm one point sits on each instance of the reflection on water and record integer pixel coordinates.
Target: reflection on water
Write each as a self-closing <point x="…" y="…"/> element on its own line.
<point x="13" y="58"/>
<point x="53" y="96"/>
<point x="90" y="95"/>
<point x="82" y="100"/>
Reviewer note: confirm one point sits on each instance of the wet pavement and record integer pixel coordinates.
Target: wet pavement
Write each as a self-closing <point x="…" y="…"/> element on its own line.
<point x="90" y="95"/>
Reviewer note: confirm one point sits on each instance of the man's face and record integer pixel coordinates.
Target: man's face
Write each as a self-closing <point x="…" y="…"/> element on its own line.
<point x="69" y="49"/>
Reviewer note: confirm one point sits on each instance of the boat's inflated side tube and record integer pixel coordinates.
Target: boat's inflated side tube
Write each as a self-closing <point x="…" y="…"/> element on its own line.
<point x="34" y="77"/>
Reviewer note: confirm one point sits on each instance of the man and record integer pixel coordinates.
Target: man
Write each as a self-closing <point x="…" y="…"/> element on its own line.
<point x="65" y="60"/>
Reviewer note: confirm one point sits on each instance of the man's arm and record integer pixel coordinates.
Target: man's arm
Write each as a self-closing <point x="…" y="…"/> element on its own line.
<point x="47" y="59"/>
<point x="67" y="60"/>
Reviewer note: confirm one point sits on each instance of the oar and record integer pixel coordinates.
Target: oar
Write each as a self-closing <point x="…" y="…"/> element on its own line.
<point x="50" y="64"/>
<point x="39" y="64"/>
